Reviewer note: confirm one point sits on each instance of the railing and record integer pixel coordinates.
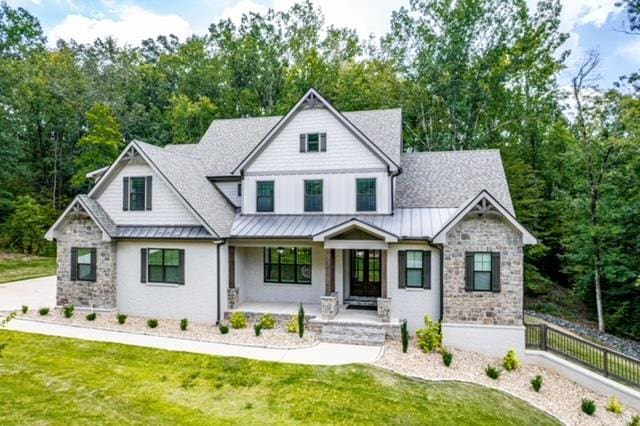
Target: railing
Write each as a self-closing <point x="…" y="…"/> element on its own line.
<point x="609" y="363"/>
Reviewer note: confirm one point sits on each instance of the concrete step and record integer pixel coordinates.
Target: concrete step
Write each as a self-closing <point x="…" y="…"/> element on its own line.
<point x="361" y="301"/>
<point x="353" y="334"/>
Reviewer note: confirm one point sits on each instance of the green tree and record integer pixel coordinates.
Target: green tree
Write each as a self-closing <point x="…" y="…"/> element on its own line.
<point x="190" y="119"/>
<point x="20" y="32"/>
<point x="24" y="230"/>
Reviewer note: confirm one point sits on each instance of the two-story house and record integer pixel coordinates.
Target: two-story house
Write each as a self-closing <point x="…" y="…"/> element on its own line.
<point x="319" y="207"/>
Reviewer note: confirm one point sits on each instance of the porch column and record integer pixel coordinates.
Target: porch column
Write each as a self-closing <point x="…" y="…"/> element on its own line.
<point x="329" y="302"/>
<point x="383" y="274"/>
<point x="233" y="293"/>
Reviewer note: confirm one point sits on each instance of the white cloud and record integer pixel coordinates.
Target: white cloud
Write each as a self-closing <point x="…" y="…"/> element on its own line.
<point x="630" y="51"/>
<point x="236" y="11"/>
<point x="130" y="25"/>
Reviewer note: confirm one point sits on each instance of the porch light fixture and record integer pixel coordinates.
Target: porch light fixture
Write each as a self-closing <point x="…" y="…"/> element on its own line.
<point x="280" y="250"/>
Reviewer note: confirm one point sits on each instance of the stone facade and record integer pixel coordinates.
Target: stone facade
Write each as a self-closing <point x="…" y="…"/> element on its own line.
<point x="483" y="233"/>
<point x="101" y="293"/>
<point x="384" y="309"/>
<point x="233" y="298"/>
<point x="330" y="306"/>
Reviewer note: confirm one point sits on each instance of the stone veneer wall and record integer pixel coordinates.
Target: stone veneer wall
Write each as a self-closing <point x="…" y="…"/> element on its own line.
<point x="83" y="232"/>
<point x="486" y="233"/>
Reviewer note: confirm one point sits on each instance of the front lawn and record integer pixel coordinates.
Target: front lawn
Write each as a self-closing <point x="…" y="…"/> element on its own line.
<point x="14" y="267"/>
<point x="54" y="380"/>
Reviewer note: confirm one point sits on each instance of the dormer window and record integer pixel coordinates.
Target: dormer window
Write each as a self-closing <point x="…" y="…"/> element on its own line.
<point x="313" y="142"/>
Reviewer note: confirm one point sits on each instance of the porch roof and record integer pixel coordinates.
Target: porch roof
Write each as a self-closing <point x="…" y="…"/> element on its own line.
<point x="407" y="223"/>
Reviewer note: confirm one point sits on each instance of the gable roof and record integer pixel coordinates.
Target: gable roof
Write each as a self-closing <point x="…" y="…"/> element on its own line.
<point x="450" y="178"/>
<point x="92" y="208"/>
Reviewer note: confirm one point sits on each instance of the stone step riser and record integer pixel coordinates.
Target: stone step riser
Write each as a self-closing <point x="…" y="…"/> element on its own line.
<point x="367" y="335"/>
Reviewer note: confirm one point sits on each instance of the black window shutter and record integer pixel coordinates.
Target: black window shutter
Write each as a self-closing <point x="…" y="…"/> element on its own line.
<point x="92" y="277"/>
<point x="303" y="142"/>
<point x="125" y="193"/>
<point x="426" y="269"/>
<point x="148" y="192"/>
<point x="495" y="272"/>
<point x="143" y="265"/>
<point x="402" y="269"/>
<point x="181" y="263"/>
<point x="323" y="142"/>
<point x="74" y="263"/>
<point x="468" y="272"/>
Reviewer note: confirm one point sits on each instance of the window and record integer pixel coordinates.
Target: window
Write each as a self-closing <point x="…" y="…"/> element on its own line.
<point x="414" y="269"/>
<point x="366" y="195"/>
<point x="482" y="271"/>
<point x="239" y="190"/>
<point x="137" y="193"/>
<point x="287" y="265"/>
<point x="264" y="190"/>
<point x="312" y="195"/>
<point x="313" y="142"/>
<point x="166" y="266"/>
<point x="83" y="264"/>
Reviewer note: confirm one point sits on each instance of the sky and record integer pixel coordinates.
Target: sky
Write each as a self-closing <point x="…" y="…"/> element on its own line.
<point x="592" y="24"/>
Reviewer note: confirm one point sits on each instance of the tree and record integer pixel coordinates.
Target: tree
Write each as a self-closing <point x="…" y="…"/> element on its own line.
<point x="632" y="7"/>
<point x="25" y="227"/>
<point x="20" y="32"/>
<point x="100" y="146"/>
<point x="190" y="119"/>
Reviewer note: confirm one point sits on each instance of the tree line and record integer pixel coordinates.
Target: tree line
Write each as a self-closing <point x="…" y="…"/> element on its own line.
<point x="468" y="74"/>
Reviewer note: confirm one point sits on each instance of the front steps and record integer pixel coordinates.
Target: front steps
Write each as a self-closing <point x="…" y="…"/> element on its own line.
<point x="353" y="334"/>
<point x="361" y="301"/>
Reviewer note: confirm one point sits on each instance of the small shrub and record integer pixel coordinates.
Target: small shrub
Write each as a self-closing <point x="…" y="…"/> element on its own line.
<point x="92" y="316"/>
<point x="588" y="407"/>
<point x="43" y="311"/>
<point x="492" y="371"/>
<point x="122" y="318"/>
<point x="268" y="321"/>
<point x="239" y="320"/>
<point x="25" y="309"/>
<point x="635" y="421"/>
<point x="536" y="383"/>
<point x="152" y="323"/>
<point x="224" y="329"/>
<point x="258" y="329"/>
<point x="301" y="321"/>
<point x="184" y="323"/>
<point x="68" y="311"/>
<point x="292" y="325"/>
<point x="429" y="337"/>
<point x="510" y="361"/>
<point x="447" y="357"/>
<point x="405" y="336"/>
<point x="614" y="405"/>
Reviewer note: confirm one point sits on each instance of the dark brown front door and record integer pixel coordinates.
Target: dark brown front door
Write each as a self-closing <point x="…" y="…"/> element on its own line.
<point x="365" y="273"/>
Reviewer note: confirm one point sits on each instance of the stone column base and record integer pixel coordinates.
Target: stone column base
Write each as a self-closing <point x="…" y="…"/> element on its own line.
<point x="330" y="306"/>
<point x="384" y="309"/>
<point x="233" y="298"/>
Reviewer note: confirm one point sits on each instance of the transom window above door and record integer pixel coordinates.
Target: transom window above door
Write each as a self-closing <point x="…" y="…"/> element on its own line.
<point x="313" y="142"/>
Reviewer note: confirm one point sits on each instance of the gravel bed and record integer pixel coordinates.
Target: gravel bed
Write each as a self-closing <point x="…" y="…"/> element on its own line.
<point x="276" y="337"/>
<point x="624" y="346"/>
<point x="558" y="396"/>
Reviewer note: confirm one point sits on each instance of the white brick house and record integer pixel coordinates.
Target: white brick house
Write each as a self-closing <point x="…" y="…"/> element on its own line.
<point x="318" y="207"/>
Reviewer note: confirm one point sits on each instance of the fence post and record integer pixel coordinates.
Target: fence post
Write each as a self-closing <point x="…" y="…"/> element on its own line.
<point x="605" y="358"/>
<point x="543" y="341"/>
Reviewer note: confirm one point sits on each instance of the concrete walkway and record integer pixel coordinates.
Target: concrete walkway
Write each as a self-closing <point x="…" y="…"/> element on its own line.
<point x="35" y="293"/>
<point x="320" y="354"/>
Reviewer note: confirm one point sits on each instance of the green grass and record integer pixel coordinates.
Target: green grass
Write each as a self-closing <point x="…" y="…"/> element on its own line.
<point x="50" y="380"/>
<point x="14" y="267"/>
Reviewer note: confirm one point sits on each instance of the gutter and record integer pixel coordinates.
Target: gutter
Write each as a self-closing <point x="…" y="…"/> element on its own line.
<point x="441" y="248"/>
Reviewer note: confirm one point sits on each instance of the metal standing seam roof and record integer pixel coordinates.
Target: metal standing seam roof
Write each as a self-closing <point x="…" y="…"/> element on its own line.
<point x="163" y="232"/>
<point x="408" y="223"/>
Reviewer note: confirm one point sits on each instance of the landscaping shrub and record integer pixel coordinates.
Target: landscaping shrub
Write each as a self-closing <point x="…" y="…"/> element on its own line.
<point x="224" y="329"/>
<point x="292" y="325"/>
<point x="447" y="357"/>
<point x="43" y="311"/>
<point x="239" y="320"/>
<point x="511" y="361"/>
<point x="257" y="328"/>
<point x="301" y="321"/>
<point x="405" y="336"/>
<point x="635" y="421"/>
<point x="429" y="337"/>
<point x="152" y="323"/>
<point x="68" y="311"/>
<point x="588" y="407"/>
<point x="614" y="405"/>
<point x="25" y="309"/>
<point x="492" y="371"/>
<point x="268" y="321"/>
<point x="536" y="383"/>
<point x="92" y="316"/>
<point x="122" y="318"/>
<point x="184" y="323"/>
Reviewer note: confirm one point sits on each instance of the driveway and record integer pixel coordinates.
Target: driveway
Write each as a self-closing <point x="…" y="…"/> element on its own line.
<point x="35" y="293"/>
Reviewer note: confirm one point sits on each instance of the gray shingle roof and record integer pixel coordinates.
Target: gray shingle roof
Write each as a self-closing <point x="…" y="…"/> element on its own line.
<point x="449" y="178"/>
<point x="96" y="210"/>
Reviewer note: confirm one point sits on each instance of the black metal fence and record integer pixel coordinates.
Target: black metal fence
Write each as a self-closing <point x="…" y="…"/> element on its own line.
<point x="609" y="363"/>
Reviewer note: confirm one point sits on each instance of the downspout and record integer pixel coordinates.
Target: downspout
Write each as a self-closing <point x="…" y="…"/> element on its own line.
<point x="441" y="248"/>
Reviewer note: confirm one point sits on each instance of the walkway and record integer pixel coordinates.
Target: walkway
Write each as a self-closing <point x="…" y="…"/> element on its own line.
<point x="35" y="293"/>
<point x="320" y="354"/>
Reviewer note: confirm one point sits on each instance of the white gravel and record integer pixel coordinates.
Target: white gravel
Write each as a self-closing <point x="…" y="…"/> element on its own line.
<point x="558" y="396"/>
<point x="277" y="337"/>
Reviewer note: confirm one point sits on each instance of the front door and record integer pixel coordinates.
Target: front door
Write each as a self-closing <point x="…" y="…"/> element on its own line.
<point x="365" y="273"/>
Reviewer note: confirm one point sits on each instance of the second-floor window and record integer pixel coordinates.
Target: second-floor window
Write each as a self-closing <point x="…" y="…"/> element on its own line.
<point x="312" y="195"/>
<point x="136" y="193"/>
<point x="366" y="195"/>
<point x="264" y="199"/>
<point x="313" y="142"/>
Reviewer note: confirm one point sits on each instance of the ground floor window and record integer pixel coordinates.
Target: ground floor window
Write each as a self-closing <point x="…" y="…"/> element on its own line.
<point x="166" y="266"/>
<point x="83" y="264"/>
<point x="415" y="271"/>
<point x="287" y="265"/>
<point x="482" y="271"/>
